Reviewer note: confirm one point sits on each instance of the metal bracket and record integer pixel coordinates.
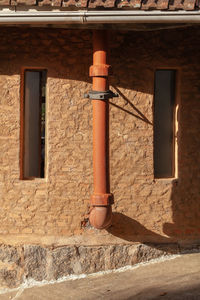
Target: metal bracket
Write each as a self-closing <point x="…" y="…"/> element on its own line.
<point x="96" y="95"/>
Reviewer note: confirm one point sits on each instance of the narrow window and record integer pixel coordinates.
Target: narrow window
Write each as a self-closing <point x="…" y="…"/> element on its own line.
<point x="164" y="107"/>
<point x="33" y="114"/>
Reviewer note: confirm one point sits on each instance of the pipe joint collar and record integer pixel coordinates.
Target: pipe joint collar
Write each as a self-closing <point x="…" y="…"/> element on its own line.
<point x="100" y="70"/>
<point x="102" y="199"/>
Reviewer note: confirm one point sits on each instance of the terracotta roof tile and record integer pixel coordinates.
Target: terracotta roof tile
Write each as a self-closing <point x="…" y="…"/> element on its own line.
<point x="23" y="2"/>
<point x="5" y="2"/>
<point x="179" y="4"/>
<point x="132" y="4"/>
<point x="75" y="3"/>
<point x="136" y="4"/>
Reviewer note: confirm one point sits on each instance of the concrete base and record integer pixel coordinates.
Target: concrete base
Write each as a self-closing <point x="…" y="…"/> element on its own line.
<point x="176" y="278"/>
<point x="18" y="264"/>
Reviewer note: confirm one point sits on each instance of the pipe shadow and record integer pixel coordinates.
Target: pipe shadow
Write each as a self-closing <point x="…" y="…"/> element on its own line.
<point x="139" y="114"/>
<point x="59" y="52"/>
<point x="130" y="230"/>
<point x="184" y="191"/>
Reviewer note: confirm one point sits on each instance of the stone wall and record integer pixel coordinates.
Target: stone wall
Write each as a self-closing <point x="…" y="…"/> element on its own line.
<point x="32" y="262"/>
<point x="53" y="212"/>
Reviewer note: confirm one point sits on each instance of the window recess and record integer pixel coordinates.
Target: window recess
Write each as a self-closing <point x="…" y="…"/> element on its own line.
<point x="164" y="112"/>
<point x="33" y="124"/>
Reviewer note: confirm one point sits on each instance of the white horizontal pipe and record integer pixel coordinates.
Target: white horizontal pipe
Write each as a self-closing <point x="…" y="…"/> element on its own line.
<point x="94" y="17"/>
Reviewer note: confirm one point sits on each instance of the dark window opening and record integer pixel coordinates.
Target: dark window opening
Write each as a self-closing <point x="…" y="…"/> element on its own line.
<point x="34" y="99"/>
<point x="164" y="108"/>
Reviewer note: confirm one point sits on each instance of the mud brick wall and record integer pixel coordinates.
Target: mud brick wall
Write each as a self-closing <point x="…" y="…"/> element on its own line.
<point x="54" y="210"/>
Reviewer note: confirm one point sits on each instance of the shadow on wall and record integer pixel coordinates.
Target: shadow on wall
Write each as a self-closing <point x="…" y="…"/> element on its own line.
<point x="185" y="190"/>
<point x="136" y="112"/>
<point x="142" y="51"/>
<point x="132" y="231"/>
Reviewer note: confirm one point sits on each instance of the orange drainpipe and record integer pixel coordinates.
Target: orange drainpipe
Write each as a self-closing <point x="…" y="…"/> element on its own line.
<point x="101" y="200"/>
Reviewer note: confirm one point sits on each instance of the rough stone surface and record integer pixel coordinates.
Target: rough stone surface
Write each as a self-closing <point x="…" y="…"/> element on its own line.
<point x="35" y="262"/>
<point x="48" y="263"/>
<point x="41" y="263"/>
<point x="97" y="259"/>
<point x="170" y="279"/>
<point x="117" y="256"/>
<point x="148" y="252"/>
<point x="62" y="261"/>
<point x="10" y="266"/>
<point x="10" y="254"/>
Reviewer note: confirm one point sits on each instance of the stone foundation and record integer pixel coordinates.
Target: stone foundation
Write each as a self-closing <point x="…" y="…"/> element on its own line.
<point x="21" y="263"/>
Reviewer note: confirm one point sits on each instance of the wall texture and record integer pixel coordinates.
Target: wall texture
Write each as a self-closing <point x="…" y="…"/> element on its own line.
<point x="53" y="212"/>
<point x="133" y="4"/>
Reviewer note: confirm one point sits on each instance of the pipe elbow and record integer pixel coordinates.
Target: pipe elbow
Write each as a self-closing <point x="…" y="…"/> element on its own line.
<point x="101" y="217"/>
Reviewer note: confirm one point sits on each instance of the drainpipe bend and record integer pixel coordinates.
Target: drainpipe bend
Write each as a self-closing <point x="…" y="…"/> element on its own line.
<point x="101" y="217"/>
<point x="101" y="200"/>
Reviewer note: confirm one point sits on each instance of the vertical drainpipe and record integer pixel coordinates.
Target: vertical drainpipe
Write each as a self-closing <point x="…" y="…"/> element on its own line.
<point x="101" y="200"/>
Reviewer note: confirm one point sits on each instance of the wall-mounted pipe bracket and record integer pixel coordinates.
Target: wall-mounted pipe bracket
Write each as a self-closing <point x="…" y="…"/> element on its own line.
<point x="100" y="95"/>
